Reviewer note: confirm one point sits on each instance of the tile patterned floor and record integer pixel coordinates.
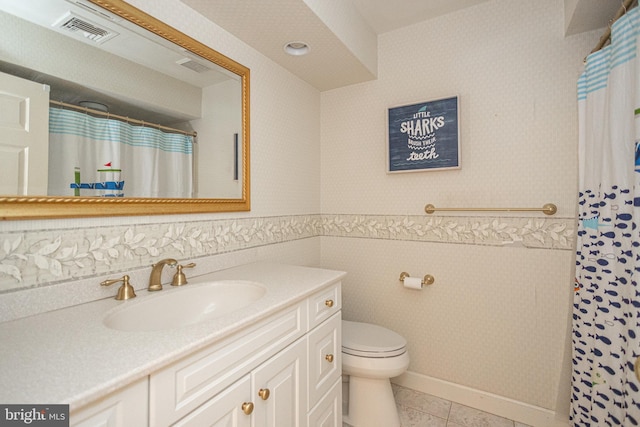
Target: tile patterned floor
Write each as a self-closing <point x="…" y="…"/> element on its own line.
<point x="418" y="409"/>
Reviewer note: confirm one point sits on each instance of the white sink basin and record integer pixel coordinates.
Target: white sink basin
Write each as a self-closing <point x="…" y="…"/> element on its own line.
<point x="176" y="307"/>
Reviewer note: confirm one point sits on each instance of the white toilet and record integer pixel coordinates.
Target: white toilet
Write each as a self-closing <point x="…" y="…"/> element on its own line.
<point x="371" y="355"/>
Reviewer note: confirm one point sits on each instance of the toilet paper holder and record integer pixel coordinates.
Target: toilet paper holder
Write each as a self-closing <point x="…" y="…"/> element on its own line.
<point x="427" y="280"/>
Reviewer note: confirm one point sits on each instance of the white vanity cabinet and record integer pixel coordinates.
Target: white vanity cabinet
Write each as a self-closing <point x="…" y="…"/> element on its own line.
<point x="270" y="396"/>
<point x="284" y="371"/>
<point x="275" y="361"/>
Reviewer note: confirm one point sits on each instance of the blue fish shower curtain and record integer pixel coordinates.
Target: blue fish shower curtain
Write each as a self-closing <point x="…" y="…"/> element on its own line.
<point x="135" y="161"/>
<point x="606" y="316"/>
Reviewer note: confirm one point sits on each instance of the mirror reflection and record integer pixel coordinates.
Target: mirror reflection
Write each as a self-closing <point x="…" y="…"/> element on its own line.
<point x="125" y="112"/>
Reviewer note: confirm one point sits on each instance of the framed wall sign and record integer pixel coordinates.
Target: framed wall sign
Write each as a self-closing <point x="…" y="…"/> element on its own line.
<point x="423" y="136"/>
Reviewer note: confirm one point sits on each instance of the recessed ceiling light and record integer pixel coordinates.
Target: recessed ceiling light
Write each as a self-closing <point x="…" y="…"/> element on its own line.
<point x="297" y="48"/>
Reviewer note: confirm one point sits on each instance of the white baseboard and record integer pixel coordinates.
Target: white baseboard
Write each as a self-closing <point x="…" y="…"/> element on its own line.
<point x="494" y="404"/>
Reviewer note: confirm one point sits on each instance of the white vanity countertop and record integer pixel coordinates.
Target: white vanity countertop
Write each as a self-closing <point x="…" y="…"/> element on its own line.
<point x="68" y="356"/>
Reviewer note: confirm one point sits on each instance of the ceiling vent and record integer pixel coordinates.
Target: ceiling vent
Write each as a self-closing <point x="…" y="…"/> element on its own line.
<point x="193" y="65"/>
<point x="80" y="27"/>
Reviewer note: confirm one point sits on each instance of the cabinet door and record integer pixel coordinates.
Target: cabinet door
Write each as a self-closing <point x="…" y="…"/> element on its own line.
<point x="328" y="413"/>
<point x="124" y="408"/>
<point x="325" y="358"/>
<point x="182" y="387"/>
<point x="279" y="388"/>
<point x="226" y="409"/>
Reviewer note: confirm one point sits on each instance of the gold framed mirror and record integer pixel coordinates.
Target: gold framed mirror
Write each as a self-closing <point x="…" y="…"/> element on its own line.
<point x="37" y="206"/>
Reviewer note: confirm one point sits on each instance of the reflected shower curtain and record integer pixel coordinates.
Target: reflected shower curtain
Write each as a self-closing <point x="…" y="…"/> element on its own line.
<point x="606" y="316"/>
<point x="89" y="150"/>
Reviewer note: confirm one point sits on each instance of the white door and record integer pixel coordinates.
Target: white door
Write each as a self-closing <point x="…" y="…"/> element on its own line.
<point x="279" y="388"/>
<point x="24" y="136"/>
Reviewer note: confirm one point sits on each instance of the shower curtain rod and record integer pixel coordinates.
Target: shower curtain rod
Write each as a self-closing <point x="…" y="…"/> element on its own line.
<point x="624" y="8"/>
<point x="122" y="118"/>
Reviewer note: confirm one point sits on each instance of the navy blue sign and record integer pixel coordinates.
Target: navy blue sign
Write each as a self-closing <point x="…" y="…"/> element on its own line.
<point x="424" y="136"/>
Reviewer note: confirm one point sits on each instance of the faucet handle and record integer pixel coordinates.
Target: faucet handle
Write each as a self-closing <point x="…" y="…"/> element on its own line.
<point x="179" y="278"/>
<point x="126" y="290"/>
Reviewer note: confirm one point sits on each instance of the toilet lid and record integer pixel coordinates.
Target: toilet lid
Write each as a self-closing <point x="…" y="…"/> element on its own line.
<point x="367" y="340"/>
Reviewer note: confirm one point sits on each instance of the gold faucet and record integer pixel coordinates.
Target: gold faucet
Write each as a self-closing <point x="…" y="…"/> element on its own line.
<point x="156" y="273"/>
<point x="179" y="278"/>
<point x="126" y="290"/>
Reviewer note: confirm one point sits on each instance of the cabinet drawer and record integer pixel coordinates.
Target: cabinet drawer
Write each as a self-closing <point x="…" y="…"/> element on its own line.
<point x="223" y="410"/>
<point x="324" y="304"/>
<point x="183" y="386"/>
<point x="328" y="412"/>
<point x="325" y="358"/>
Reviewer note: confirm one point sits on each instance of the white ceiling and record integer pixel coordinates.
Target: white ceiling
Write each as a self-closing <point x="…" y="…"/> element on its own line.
<point x="342" y="34"/>
<point x="386" y="15"/>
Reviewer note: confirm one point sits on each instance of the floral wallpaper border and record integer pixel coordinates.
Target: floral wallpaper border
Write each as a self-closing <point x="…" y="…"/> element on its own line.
<point x="37" y="257"/>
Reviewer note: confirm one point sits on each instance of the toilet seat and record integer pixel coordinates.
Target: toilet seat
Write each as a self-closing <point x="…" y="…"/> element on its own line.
<point x="371" y="341"/>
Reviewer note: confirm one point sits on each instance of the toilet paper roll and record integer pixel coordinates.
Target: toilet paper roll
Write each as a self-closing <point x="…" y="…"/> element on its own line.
<point x="413" y="282"/>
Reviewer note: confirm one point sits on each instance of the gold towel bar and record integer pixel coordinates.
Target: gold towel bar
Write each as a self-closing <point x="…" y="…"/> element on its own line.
<point x="547" y="209"/>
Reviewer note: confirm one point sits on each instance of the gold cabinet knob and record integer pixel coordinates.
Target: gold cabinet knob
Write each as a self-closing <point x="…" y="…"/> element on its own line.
<point x="247" y="408"/>
<point x="329" y="303"/>
<point x="329" y="358"/>
<point x="264" y="393"/>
